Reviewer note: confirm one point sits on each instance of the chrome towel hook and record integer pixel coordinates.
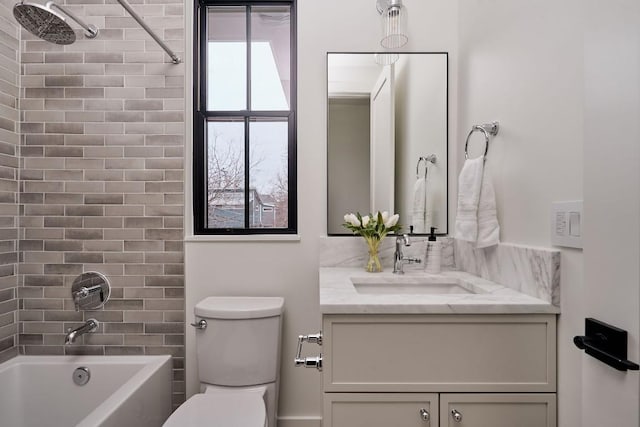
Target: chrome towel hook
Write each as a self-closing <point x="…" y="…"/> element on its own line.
<point x="488" y="129"/>
<point x="431" y="158"/>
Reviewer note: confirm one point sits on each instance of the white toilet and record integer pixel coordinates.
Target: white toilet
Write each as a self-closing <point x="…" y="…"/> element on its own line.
<point x="238" y="354"/>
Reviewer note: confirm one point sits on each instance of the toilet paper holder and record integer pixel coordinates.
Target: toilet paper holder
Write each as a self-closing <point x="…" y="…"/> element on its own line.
<point x="309" y="362"/>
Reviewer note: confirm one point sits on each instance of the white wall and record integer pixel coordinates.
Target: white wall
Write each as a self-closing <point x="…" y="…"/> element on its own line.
<point x="521" y="63"/>
<point x="290" y="269"/>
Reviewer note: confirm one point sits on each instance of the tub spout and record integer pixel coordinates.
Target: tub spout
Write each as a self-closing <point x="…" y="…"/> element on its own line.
<point x="89" y="326"/>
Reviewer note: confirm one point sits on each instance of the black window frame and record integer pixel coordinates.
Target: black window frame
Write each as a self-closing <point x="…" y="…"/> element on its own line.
<point x="201" y="116"/>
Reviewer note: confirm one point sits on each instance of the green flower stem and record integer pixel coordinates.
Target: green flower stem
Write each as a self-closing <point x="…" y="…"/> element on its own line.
<point x="373" y="265"/>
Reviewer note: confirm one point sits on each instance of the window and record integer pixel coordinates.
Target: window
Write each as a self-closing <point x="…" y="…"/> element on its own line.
<point x="244" y="117"/>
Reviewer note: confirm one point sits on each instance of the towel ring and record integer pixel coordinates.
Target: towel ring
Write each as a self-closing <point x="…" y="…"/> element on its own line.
<point x="432" y="158"/>
<point x="487" y="129"/>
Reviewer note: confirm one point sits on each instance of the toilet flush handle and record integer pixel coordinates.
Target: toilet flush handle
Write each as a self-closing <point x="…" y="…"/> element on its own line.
<point x="202" y="324"/>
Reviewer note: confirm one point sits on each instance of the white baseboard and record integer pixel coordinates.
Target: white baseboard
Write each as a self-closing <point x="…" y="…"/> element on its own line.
<point x="299" y="421"/>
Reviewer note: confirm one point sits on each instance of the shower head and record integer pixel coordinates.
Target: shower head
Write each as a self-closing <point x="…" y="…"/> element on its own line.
<point x="51" y="25"/>
<point x="44" y="22"/>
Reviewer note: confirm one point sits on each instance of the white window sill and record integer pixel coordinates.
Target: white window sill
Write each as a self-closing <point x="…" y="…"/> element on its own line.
<point x="244" y="238"/>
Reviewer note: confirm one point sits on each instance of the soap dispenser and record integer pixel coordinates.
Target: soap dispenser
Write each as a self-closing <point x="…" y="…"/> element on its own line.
<point x="433" y="256"/>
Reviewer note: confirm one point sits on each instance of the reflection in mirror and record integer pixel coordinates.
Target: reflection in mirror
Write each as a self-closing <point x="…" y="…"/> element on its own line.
<point x="387" y="139"/>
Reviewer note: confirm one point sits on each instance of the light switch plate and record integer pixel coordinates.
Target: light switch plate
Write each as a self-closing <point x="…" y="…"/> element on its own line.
<point x="566" y="224"/>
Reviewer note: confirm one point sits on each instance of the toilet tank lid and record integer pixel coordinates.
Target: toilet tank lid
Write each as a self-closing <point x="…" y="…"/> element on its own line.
<point x="239" y="307"/>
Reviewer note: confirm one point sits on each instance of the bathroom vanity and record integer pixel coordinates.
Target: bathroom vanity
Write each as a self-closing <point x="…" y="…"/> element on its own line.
<point x="434" y="350"/>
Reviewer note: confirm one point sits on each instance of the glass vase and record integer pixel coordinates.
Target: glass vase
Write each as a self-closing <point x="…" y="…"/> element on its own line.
<point x="373" y="263"/>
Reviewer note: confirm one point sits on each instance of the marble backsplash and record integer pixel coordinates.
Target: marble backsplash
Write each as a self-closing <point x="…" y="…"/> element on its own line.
<point x="532" y="271"/>
<point x="347" y="251"/>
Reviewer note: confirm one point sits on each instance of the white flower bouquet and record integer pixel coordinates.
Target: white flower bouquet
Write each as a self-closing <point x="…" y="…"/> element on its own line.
<point x="373" y="228"/>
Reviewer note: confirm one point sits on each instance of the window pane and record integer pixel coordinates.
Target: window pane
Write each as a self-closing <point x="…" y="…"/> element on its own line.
<point x="226" y="59"/>
<point x="270" y="57"/>
<point x="268" y="173"/>
<point x="225" y="170"/>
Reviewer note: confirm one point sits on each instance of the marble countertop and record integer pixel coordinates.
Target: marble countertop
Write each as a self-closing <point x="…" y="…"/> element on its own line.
<point x="339" y="296"/>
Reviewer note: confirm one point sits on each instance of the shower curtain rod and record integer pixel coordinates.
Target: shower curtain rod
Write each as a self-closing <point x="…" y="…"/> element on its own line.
<point x="174" y="58"/>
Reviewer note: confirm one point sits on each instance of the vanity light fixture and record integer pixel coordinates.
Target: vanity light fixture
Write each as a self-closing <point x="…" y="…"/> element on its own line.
<point x="393" y="14"/>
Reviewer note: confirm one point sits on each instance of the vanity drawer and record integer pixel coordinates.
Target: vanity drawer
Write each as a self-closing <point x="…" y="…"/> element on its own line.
<point x="439" y="353"/>
<point x="498" y="410"/>
<point x="380" y="410"/>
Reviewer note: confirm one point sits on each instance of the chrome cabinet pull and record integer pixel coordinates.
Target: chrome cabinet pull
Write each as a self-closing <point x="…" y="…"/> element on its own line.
<point x="202" y="324"/>
<point x="424" y="414"/>
<point x="457" y="416"/>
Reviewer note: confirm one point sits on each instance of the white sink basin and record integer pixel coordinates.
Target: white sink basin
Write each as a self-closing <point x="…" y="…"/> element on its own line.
<point x="409" y="285"/>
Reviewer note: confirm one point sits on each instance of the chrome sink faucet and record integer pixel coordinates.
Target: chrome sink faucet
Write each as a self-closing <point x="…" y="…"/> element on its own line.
<point x="89" y="326"/>
<point x="399" y="259"/>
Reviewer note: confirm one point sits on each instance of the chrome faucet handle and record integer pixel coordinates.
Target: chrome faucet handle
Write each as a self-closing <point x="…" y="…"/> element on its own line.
<point x="404" y="239"/>
<point x="401" y="240"/>
<point x="78" y="296"/>
<point x="90" y="291"/>
<point x="84" y="292"/>
<point x="399" y="259"/>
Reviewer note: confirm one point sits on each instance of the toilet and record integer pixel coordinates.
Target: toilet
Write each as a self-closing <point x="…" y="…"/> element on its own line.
<point x="238" y="353"/>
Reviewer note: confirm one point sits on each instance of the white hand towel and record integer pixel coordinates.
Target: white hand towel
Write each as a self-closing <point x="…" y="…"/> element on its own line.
<point x="418" y="214"/>
<point x="488" y="227"/>
<point x="469" y="184"/>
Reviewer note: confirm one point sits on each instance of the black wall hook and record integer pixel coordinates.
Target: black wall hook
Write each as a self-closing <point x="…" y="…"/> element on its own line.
<point x="606" y="343"/>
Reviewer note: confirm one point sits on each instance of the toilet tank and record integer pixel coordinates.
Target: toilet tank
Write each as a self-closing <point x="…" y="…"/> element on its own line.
<point x="241" y="344"/>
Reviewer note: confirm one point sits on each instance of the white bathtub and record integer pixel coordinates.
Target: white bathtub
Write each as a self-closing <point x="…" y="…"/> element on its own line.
<point x="123" y="391"/>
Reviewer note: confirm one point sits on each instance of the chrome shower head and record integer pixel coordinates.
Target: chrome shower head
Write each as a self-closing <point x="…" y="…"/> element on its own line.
<point x="43" y="22"/>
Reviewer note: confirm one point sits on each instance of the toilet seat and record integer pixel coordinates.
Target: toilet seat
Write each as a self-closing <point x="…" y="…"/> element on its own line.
<point x="233" y="409"/>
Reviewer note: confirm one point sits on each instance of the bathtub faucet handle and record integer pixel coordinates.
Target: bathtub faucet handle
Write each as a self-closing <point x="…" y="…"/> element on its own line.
<point x="84" y="292"/>
<point x="78" y="295"/>
<point x="90" y="291"/>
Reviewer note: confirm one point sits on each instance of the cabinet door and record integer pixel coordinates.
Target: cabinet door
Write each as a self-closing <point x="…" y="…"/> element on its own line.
<point x="498" y="410"/>
<point x="380" y="410"/>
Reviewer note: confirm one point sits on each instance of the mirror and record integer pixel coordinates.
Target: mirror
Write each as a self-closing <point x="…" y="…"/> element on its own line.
<point x="387" y="138"/>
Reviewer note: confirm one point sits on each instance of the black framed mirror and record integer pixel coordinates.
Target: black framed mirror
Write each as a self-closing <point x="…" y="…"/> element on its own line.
<point x="387" y="138"/>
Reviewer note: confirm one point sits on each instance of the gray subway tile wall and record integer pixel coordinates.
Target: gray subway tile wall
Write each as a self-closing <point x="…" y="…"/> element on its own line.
<point x="102" y="170"/>
<point x="9" y="175"/>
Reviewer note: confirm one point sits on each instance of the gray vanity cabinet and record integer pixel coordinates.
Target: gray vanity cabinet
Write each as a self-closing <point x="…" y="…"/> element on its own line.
<point x="497" y="370"/>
